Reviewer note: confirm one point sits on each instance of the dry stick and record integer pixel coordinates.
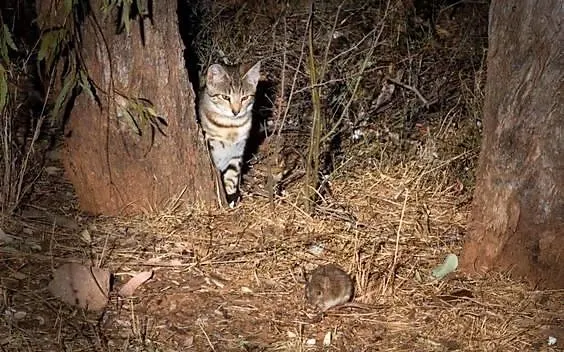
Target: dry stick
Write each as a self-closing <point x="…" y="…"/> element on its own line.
<point x="393" y="268"/>
<point x="19" y="194"/>
<point x="269" y="176"/>
<point x="200" y="325"/>
<point x="277" y="128"/>
<point x="321" y="84"/>
<point x="36" y="133"/>
<point x="173" y="203"/>
<point x="331" y="34"/>
<point x="326" y="180"/>
<point x="292" y="89"/>
<point x="441" y="165"/>
<point x="354" y="46"/>
<point x="103" y="250"/>
<point x="411" y="88"/>
<point x="51" y="241"/>
<point x="134" y="326"/>
<point x="312" y="166"/>
<point x="315" y="89"/>
<point x="308" y="216"/>
<point x="356" y="86"/>
<point x="362" y="69"/>
<point x="7" y="153"/>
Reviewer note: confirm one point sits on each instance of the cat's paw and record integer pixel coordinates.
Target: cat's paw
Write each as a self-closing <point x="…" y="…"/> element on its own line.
<point x="232" y="200"/>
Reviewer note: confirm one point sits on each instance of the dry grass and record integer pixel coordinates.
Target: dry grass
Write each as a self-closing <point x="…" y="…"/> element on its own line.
<point x="234" y="279"/>
<point x="394" y="203"/>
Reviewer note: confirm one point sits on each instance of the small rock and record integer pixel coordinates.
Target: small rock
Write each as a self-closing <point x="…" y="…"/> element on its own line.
<point x="311" y="342"/>
<point x="85" y="236"/>
<point x="328" y="338"/>
<point x="52" y="170"/>
<point x="245" y="289"/>
<point x="53" y="155"/>
<point x="19" y="315"/>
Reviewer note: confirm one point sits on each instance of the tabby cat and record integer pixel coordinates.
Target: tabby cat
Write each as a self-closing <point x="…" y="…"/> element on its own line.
<point x="225" y="110"/>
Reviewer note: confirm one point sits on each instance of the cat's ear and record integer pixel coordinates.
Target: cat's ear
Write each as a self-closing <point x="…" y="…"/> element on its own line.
<point x="253" y="74"/>
<point x="216" y="74"/>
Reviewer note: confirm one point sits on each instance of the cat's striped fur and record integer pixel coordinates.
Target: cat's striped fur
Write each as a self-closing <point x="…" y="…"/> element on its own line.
<point x="225" y="109"/>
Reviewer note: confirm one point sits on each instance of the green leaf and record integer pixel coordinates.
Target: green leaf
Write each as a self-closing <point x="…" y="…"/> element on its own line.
<point x="50" y="45"/>
<point x="134" y="121"/>
<point x="68" y="86"/>
<point x="85" y="84"/>
<point x="125" y="12"/>
<point x="4" y="51"/>
<point x="67" y="7"/>
<point x="3" y="87"/>
<point x="450" y="264"/>
<point x="151" y="111"/>
<point x="141" y="7"/>
<point x="48" y="41"/>
<point x="8" y="37"/>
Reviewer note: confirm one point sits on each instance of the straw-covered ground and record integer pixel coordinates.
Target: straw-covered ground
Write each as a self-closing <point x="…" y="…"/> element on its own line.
<point x="394" y="203"/>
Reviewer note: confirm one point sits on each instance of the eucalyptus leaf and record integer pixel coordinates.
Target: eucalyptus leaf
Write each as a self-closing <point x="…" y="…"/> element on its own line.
<point x="85" y="84"/>
<point x="48" y="41"/>
<point x="125" y="12"/>
<point x="7" y="36"/>
<point x="3" y="87"/>
<point x="67" y="7"/>
<point x="4" y="51"/>
<point x="449" y="265"/>
<point x="68" y="86"/>
<point x="135" y="123"/>
<point x="141" y="7"/>
<point x="151" y="111"/>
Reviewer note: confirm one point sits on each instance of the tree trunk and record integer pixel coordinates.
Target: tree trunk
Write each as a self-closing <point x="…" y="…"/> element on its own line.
<point x="517" y="220"/>
<point x="113" y="168"/>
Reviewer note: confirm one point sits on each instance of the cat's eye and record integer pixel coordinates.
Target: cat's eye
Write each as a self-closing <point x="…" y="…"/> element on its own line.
<point x="225" y="97"/>
<point x="246" y="97"/>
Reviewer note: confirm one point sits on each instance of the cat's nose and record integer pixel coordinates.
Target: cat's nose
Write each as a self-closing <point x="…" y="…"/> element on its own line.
<point x="235" y="109"/>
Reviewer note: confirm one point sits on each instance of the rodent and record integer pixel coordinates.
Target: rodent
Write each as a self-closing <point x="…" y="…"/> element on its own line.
<point x="328" y="286"/>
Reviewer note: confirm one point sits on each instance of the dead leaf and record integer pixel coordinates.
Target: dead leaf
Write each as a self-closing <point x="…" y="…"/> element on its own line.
<point x="82" y="286"/>
<point x="129" y="288"/>
<point x="85" y="236"/>
<point x="5" y="238"/>
<point x="387" y="91"/>
<point x="52" y="170"/>
<point x="19" y="315"/>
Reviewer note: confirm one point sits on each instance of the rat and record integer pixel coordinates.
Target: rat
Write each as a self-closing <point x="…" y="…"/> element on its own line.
<point x="329" y="286"/>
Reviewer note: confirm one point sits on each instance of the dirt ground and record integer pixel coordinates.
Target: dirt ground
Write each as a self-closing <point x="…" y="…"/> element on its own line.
<point x="233" y="280"/>
<point x="395" y="204"/>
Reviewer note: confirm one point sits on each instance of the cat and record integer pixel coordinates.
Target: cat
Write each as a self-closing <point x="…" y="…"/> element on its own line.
<point x="225" y="110"/>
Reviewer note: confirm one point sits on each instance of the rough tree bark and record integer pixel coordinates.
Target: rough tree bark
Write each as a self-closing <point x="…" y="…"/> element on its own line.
<point x="518" y="207"/>
<point x="113" y="169"/>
